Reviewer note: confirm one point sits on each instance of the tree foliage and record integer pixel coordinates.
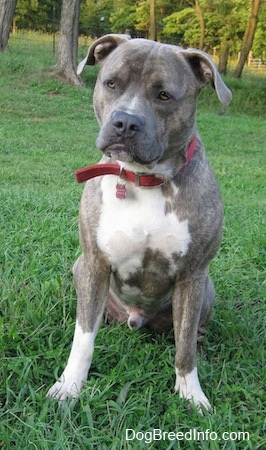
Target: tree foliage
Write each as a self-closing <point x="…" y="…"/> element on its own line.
<point x="38" y="14"/>
<point x="177" y="21"/>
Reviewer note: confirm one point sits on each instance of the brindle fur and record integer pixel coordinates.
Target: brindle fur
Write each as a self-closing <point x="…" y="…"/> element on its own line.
<point x="164" y="286"/>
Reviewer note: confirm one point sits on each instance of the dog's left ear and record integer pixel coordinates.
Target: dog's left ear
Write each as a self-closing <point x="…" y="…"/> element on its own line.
<point x="206" y="72"/>
<point x="101" y="48"/>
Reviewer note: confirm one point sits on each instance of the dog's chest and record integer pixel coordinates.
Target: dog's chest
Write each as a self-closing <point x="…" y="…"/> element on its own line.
<point x="140" y="225"/>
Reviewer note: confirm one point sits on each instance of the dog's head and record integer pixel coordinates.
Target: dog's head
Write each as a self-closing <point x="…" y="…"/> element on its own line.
<point x="145" y="97"/>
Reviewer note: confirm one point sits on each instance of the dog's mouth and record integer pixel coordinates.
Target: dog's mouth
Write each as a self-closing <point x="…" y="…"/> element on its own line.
<point x="118" y="152"/>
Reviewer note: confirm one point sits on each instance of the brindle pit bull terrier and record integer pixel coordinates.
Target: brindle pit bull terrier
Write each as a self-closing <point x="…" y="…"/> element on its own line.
<point x="151" y="214"/>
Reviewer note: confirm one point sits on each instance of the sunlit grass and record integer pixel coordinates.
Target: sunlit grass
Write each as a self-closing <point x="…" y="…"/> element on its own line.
<point x="47" y="131"/>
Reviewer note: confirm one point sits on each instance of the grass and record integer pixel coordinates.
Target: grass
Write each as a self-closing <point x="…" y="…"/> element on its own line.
<point x="47" y="131"/>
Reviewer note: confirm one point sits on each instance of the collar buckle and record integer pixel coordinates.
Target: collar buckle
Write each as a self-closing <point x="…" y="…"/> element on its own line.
<point x="137" y="178"/>
<point x="121" y="170"/>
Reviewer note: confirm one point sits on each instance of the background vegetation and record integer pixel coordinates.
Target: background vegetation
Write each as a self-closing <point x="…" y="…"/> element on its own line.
<point x="177" y="21"/>
<point x="232" y="28"/>
<point x="47" y="131"/>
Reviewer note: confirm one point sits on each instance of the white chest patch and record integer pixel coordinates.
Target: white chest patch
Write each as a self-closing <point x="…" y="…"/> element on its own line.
<point x="127" y="227"/>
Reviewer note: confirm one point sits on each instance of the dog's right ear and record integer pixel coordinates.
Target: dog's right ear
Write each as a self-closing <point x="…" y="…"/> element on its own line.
<point x="101" y="48"/>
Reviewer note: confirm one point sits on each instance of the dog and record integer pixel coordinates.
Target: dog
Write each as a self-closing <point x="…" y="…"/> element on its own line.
<point x="151" y="214"/>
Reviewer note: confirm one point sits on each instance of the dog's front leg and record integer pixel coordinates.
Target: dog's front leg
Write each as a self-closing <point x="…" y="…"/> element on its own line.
<point x="187" y="304"/>
<point x="92" y="284"/>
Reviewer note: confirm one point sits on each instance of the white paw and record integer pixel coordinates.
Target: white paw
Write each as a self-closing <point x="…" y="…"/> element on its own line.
<point x="65" y="388"/>
<point x="189" y="388"/>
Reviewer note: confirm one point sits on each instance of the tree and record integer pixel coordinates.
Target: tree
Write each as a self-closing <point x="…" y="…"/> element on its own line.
<point x="202" y="24"/>
<point x="225" y="22"/>
<point x="152" y="29"/>
<point x="214" y="23"/>
<point x="66" y="63"/>
<point x="7" y="10"/>
<point x="248" y="36"/>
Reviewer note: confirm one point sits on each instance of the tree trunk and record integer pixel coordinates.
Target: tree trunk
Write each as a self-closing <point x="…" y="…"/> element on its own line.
<point x="152" y="29"/>
<point x="248" y="36"/>
<point x="223" y="59"/>
<point x="7" y="10"/>
<point x="202" y="24"/>
<point x="66" y="63"/>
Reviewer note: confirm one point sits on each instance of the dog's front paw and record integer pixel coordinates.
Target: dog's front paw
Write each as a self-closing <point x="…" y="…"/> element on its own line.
<point x="65" y="388"/>
<point x="189" y="388"/>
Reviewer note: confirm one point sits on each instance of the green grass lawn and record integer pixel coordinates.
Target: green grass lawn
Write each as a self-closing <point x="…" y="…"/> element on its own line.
<point x="47" y="131"/>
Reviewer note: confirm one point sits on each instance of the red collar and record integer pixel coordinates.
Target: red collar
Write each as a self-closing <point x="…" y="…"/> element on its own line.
<point x="140" y="179"/>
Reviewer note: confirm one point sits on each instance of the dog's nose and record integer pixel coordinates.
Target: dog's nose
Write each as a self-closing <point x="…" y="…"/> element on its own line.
<point x="125" y="124"/>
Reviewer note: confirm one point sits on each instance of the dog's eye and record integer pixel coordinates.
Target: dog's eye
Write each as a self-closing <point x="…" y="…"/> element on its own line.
<point x="163" y="96"/>
<point x="110" y="84"/>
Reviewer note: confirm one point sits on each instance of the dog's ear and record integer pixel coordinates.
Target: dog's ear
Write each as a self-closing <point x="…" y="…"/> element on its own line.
<point x="206" y="72"/>
<point x="101" y="48"/>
